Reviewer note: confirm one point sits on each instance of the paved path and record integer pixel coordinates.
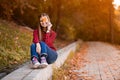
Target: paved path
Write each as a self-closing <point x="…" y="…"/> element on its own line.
<point x="101" y="62"/>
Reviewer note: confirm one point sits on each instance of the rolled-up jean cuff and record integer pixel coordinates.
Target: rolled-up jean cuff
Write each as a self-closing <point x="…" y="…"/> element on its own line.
<point x="43" y="54"/>
<point x="34" y="56"/>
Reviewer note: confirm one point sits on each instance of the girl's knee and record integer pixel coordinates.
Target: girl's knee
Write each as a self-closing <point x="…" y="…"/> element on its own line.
<point x="42" y="43"/>
<point x="33" y="45"/>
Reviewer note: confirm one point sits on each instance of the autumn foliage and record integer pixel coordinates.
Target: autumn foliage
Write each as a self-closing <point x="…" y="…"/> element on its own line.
<point x="74" y="19"/>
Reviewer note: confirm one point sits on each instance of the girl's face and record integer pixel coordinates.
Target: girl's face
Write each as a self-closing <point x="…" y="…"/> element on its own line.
<point x="44" y="21"/>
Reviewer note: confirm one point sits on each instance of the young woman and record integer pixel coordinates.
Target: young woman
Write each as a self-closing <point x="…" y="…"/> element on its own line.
<point x="43" y="51"/>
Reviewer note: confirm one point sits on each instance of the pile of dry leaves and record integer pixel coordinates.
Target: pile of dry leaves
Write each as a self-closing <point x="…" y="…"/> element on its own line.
<point x="66" y="72"/>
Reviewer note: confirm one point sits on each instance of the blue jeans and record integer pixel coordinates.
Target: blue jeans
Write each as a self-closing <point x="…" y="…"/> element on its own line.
<point x="51" y="55"/>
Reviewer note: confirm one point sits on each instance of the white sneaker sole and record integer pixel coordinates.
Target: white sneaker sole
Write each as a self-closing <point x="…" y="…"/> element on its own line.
<point x="36" y="66"/>
<point x="43" y="65"/>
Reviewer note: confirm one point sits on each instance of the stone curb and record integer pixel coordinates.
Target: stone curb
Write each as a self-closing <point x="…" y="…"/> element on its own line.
<point x="25" y="73"/>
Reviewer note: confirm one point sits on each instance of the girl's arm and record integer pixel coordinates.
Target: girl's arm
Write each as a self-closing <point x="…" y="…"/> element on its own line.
<point x="36" y="41"/>
<point x="35" y="36"/>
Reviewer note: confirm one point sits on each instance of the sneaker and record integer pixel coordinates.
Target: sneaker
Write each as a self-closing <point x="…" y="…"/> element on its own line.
<point x="35" y="63"/>
<point x="43" y="62"/>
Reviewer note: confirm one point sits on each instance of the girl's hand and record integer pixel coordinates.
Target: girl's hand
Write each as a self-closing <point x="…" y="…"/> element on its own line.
<point x="38" y="48"/>
<point x="49" y="25"/>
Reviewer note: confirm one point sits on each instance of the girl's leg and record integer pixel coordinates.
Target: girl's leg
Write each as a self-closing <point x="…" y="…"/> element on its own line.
<point x="34" y="56"/>
<point x="33" y="51"/>
<point x="43" y="55"/>
<point x="43" y="49"/>
<point x="50" y="54"/>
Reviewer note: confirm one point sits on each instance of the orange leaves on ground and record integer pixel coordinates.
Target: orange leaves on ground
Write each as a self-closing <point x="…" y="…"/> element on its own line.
<point x="76" y="63"/>
<point x="67" y="71"/>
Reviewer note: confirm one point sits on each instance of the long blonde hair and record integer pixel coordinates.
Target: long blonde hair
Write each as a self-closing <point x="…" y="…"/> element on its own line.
<point x="39" y="33"/>
<point x="39" y="26"/>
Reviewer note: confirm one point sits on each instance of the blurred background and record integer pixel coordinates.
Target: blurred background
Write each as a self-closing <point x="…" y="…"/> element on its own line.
<point x="74" y="19"/>
<point x="89" y="20"/>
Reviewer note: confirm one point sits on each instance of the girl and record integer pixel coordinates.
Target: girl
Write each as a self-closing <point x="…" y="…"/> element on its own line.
<point x="43" y="51"/>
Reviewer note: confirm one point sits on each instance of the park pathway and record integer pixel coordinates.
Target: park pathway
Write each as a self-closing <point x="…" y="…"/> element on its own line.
<point x="101" y="62"/>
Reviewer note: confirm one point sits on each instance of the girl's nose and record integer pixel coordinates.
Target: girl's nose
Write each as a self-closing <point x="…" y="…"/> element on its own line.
<point x="43" y="23"/>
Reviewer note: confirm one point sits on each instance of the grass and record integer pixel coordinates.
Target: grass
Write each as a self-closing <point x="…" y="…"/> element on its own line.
<point x="14" y="45"/>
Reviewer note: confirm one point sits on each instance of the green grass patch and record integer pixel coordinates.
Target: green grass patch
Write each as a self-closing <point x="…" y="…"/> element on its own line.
<point x="14" y="46"/>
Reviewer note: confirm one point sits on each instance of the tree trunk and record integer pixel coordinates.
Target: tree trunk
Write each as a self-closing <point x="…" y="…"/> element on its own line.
<point x="110" y="22"/>
<point x="58" y="15"/>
